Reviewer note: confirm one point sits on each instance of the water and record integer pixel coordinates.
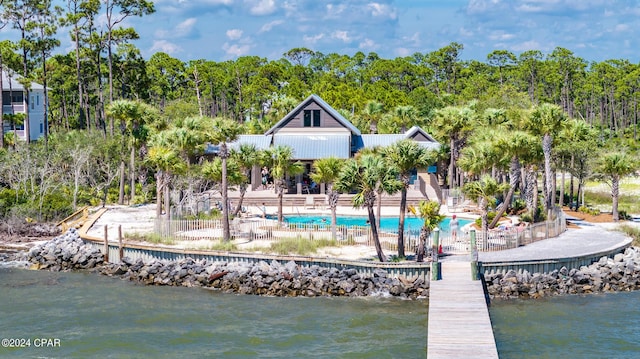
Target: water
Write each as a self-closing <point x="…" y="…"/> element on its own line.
<point x="386" y="223"/>
<point x="592" y="326"/>
<point x="102" y="317"/>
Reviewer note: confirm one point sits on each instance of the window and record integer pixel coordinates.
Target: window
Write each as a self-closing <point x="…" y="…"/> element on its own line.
<point x="41" y="127"/>
<point x="310" y="115"/>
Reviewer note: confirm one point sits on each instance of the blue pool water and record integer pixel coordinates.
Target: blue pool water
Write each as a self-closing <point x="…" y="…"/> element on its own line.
<point x="411" y="223"/>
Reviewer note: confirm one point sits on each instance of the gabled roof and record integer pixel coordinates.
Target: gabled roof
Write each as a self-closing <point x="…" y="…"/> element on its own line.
<point x="15" y="84"/>
<point x="415" y="130"/>
<point x="354" y="130"/>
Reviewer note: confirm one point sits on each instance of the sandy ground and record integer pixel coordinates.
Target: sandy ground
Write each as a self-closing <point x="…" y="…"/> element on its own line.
<point x="140" y="220"/>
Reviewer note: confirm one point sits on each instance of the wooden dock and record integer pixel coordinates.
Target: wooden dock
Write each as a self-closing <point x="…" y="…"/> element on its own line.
<point x="459" y="323"/>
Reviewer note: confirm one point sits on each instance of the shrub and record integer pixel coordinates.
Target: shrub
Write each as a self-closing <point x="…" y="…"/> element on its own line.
<point x="590" y="211"/>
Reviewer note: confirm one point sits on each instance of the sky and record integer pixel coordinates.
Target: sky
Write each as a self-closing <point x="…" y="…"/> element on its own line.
<point x="219" y="30"/>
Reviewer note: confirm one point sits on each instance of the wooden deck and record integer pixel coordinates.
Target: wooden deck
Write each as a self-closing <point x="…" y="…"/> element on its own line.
<point x="459" y="323"/>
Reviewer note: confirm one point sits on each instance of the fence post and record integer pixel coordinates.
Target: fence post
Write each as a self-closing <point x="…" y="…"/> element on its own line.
<point x="120" y="249"/>
<point x="435" y="265"/>
<point x="474" y="254"/>
<point x="106" y="245"/>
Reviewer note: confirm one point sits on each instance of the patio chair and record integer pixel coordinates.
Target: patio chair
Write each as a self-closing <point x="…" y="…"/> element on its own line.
<point x="309" y="203"/>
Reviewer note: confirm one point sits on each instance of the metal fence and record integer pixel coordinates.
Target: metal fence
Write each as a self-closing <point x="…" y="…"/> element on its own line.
<point x="260" y="229"/>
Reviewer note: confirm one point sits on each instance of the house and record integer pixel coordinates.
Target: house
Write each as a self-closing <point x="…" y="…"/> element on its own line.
<point x="15" y="102"/>
<point x="316" y="130"/>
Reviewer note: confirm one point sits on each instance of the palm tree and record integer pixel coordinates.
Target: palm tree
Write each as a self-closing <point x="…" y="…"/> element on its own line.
<point x="515" y="145"/>
<point x="614" y="166"/>
<point x="167" y="163"/>
<point x="132" y="117"/>
<point x="327" y="171"/>
<point x="405" y="156"/>
<point x="246" y="157"/>
<point x="222" y="131"/>
<point x="371" y="114"/>
<point x="429" y="212"/>
<point x="363" y="175"/>
<point x="279" y="159"/>
<point x="484" y="191"/>
<point x="406" y="116"/>
<point x="547" y="120"/>
<point x="572" y="138"/>
<point x="453" y="123"/>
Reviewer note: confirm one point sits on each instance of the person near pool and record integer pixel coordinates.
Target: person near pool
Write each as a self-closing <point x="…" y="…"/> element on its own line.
<point x="453" y="227"/>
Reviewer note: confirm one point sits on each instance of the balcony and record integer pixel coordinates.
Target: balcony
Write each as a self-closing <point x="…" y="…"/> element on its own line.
<point x="18" y="107"/>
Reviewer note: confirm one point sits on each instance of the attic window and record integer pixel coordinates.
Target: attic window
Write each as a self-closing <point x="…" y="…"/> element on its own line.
<point x="309" y="115"/>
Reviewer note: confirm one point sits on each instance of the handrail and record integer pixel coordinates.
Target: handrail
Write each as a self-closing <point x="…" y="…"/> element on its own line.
<point x="73" y="220"/>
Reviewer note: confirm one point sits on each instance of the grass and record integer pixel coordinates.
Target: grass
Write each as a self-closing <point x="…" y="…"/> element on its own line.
<point x="301" y="246"/>
<point x="633" y="232"/>
<point x="602" y="201"/>
<point x="220" y="246"/>
<point x="150" y="237"/>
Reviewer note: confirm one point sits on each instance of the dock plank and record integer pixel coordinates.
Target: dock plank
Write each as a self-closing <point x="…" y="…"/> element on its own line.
<point x="459" y="322"/>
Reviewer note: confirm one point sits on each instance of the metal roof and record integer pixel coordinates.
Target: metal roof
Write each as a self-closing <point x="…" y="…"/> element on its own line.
<point x="311" y="147"/>
<point x="377" y="140"/>
<point x="15" y="84"/>
<point x="262" y="142"/>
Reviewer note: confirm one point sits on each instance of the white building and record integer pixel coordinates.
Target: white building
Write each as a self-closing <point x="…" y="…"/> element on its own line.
<point x="14" y="101"/>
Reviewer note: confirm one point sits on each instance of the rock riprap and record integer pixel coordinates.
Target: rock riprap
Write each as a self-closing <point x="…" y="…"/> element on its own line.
<point x="273" y="278"/>
<point x="620" y="273"/>
<point x="65" y="252"/>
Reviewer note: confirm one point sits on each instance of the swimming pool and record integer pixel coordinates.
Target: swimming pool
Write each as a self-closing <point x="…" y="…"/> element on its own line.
<point x="411" y="223"/>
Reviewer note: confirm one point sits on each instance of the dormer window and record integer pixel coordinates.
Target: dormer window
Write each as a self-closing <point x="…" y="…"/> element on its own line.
<point x="311" y="118"/>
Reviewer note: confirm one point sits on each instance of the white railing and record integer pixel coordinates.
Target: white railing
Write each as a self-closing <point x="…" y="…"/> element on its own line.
<point x="253" y="229"/>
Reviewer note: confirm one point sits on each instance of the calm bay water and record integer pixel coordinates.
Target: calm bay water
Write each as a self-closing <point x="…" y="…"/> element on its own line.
<point x="102" y="317"/>
<point x="592" y="326"/>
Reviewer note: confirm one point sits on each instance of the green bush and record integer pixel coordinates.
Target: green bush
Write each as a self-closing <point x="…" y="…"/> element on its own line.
<point x="490" y="217"/>
<point x="590" y="211"/>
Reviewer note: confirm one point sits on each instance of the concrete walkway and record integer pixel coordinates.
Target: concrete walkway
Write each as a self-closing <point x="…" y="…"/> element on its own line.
<point x="588" y="239"/>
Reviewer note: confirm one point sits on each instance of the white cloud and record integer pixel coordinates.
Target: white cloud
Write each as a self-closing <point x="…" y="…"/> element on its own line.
<point x="312" y="39"/>
<point x="341" y="35"/>
<point x="186" y="26"/>
<point x="335" y="12"/>
<point x="378" y="9"/>
<point x="621" y="28"/>
<point x="414" y="39"/>
<point x="268" y="26"/>
<point x="368" y="44"/>
<point x="183" y="29"/>
<point x="236" y="50"/>
<point x="527" y="45"/>
<point x="234" y="34"/>
<point x="402" y="52"/>
<point x="501" y="36"/>
<point x="165" y="46"/>
<point x="261" y="7"/>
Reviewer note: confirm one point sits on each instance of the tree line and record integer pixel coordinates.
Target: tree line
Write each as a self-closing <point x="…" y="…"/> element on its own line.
<point x="508" y="124"/>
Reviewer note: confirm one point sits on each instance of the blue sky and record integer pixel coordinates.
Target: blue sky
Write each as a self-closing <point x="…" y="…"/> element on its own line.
<point x="219" y="30"/>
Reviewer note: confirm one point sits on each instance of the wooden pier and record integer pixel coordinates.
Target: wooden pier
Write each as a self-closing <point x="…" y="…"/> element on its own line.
<point x="459" y="323"/>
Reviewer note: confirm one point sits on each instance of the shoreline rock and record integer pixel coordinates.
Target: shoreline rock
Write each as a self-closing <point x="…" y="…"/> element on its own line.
<point x="618" y="274"/>
<point x="68" y="252"/>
